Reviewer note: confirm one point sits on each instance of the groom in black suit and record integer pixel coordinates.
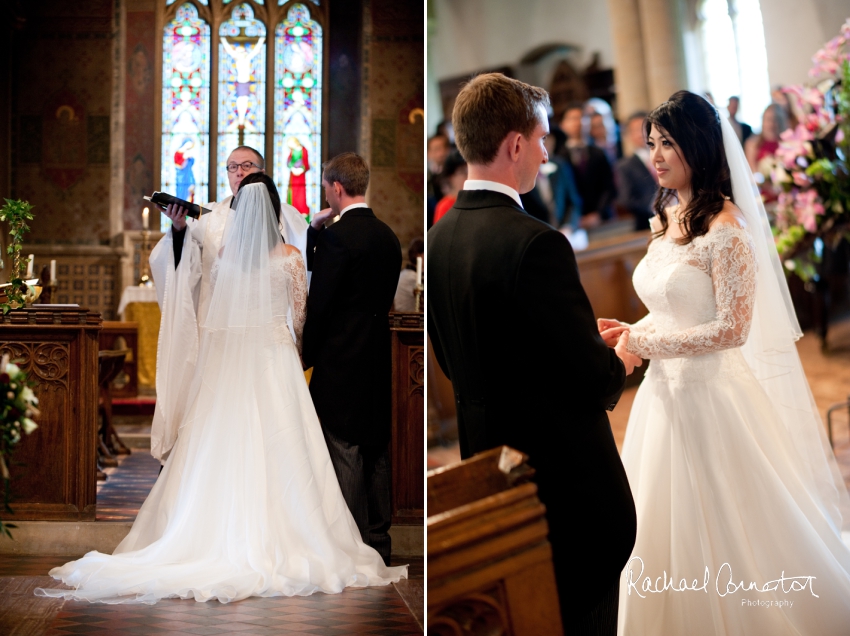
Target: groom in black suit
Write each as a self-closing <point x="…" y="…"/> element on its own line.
<point x="355" y="265"/>
<point x="514" y="331"/>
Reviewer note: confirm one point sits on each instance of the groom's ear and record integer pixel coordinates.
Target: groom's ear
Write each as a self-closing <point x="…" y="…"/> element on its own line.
<point x="513" y="145"/>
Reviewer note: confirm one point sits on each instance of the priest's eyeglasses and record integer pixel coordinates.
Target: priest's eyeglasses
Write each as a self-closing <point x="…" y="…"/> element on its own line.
<point x="245" y="165"/>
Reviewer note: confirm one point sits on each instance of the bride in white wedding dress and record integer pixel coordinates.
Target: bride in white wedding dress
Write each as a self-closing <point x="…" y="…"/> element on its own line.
<point x="740" y="504"/>
<point x="247" y="503"/>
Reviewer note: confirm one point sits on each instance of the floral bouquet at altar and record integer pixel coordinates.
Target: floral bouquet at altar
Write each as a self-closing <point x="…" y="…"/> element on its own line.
<point x="812" y="210"/>
<point x="17" y="408"/>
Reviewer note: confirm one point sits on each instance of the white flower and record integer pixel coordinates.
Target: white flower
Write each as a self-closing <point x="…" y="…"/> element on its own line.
<point x="16" y="436"/>
<point x="12" y="368"/>
<point x="28" y="395"/>
<point x="29" y="425"/>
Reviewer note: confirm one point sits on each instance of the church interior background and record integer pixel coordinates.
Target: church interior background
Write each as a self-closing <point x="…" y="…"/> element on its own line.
<point x="105" y="101"/>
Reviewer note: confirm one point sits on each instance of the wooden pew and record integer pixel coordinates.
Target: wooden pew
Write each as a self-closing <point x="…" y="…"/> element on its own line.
<point x="606" y="269"/>
<point x="489" y="561"/>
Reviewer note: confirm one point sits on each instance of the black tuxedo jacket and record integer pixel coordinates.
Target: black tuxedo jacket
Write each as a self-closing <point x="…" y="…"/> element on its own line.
<point x="636" y="190"/>
<point x="347" y="336"/>
<point x="513" y="329"/>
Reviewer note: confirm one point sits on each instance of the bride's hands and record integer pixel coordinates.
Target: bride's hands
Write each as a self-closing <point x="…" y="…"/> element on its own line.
<point x="610" y="330"/>
<point x="630" y="360"/>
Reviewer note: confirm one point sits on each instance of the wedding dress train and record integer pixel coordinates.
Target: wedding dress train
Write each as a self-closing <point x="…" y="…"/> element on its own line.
<point x="247" y="503"/>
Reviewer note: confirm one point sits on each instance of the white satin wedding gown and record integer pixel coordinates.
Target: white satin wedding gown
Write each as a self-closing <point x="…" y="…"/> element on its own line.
<point x="248" y="503"/>
<point x="724" y="490"/>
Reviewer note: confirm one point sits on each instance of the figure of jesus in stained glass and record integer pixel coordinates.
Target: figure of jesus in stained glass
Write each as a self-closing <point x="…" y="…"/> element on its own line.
<point x="242" y="57"/>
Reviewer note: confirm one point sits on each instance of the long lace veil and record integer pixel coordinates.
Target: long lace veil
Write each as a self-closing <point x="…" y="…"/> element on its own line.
<point x="772" y="354"/>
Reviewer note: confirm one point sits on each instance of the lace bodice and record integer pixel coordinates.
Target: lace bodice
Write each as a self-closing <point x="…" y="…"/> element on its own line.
<point x="700" y="296"/>
<point x="288" y="280"/>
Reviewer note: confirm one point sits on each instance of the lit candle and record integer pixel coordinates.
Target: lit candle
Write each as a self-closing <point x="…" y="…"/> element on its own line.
<point x="30" y="262"/>
<point x="418" y="270"/>
<point x="52" y="270"/>
<point x="145" y="221"/>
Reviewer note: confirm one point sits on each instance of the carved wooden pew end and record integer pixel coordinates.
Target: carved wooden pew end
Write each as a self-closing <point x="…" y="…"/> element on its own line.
<point x="489" y="561"/>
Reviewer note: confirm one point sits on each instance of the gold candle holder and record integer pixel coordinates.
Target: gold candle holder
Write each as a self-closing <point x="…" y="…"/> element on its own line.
<point x="145" y="279"/>
<point x="417" y="295"/>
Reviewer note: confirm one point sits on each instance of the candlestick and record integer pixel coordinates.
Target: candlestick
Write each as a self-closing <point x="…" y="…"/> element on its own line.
<point x="418" y="270"/>
<point x="145" y="220"/>
<point x="30" y="262"/>
<point x="52" y="270"/>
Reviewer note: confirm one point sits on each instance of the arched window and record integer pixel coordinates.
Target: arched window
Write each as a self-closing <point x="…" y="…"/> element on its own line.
<point x="735" y="56"/>
<point x="242" y="72"/>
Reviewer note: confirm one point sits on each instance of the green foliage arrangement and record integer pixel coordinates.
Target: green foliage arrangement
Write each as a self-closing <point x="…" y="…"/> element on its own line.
<point x="17" y="213"/>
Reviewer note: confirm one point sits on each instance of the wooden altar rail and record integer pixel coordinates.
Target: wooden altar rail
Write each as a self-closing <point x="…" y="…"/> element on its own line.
<point x="489" y="561"/>
<point x="53" y="468"/>
<point x="408" y="420"/>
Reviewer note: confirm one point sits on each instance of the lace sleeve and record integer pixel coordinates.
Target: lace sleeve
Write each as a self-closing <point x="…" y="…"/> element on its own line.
<point x="294" y="265"/>
<point x="644" y="325"/>
<point x="733" y="275"/>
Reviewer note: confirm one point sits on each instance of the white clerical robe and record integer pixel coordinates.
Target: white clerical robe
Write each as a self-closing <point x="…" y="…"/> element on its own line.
<point x="184" y="296"/>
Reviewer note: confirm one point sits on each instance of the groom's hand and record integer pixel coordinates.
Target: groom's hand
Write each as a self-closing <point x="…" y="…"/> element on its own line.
<point x="630" y="360"/>
<point x="610" y="330"/>
<point x="320" y="217"/>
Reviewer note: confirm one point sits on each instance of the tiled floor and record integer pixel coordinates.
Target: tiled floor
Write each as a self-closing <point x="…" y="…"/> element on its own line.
<point x="391" y="610"/>
<point x="122" y="494"/>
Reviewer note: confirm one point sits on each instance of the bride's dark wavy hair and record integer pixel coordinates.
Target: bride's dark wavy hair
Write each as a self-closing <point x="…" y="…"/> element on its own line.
<point x="694" y="125"/>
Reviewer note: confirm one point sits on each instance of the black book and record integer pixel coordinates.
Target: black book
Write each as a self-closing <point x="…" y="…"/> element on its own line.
<point x="163" y="199"/>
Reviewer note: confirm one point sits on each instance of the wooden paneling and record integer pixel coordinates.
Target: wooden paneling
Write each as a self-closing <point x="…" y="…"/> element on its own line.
<point x="408" y="463"/>
<point x="53" y="468"/>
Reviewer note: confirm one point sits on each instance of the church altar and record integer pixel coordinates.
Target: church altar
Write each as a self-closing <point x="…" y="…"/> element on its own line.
<point x="53" y="468"/>
<point x="139" y="305"/>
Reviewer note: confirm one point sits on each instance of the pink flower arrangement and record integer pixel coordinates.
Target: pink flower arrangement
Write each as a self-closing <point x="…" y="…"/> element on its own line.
<point x="812" y="173"/>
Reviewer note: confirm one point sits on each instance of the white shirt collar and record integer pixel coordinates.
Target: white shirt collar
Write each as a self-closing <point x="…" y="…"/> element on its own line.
<point x="495" y="186"/>
<point x="351" y="207"/>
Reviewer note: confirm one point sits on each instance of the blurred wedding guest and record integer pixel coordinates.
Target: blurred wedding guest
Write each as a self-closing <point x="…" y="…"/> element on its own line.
<point x="779" y="96"/>
<point x="603" y="130"/>
<point x="741" y="129"/>
<point x="761" y="149"/>
<point x="452" y="178"/>
<point x="445" y="128"/>
<point x="593" y="173"/>
<point x="438" y="149"/>
<point x="554" y="199"/>
<point x="637" y="182"/>
<point x="405" y="301"/>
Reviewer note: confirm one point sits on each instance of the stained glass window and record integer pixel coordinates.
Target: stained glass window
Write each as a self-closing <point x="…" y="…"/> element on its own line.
<point x="185" y="106"/>
<point x="298" y="109"/>
<point x="241" y="88"/>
